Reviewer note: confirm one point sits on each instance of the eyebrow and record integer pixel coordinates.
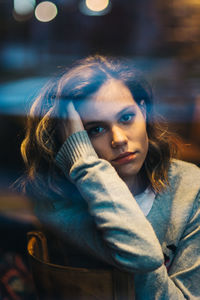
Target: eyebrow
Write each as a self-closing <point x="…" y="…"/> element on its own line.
<point x="125" y="110"/>
<point x="118" y="115"/>
<point x="92" y="123"/>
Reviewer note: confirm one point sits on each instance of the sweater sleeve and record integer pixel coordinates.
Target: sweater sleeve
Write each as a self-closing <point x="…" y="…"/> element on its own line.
<point x="182" y="279"/>
<point x="120" y="235"/>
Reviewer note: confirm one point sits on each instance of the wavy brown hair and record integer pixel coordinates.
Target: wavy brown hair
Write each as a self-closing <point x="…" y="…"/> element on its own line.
<point x="44" y="123"/>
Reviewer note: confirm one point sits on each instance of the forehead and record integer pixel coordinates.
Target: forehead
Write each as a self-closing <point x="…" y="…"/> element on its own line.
<point x="112" y="97"/>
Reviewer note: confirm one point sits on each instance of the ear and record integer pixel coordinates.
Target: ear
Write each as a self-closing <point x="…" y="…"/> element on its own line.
<point x="143" y="108"/>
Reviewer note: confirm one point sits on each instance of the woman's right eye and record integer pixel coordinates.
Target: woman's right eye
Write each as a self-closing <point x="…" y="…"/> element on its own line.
<point x="95" y="131"/>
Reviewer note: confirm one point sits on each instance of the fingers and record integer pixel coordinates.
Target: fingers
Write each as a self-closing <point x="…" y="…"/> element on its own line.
<point x="71" y="111"/>
<point x="73" y="121"/>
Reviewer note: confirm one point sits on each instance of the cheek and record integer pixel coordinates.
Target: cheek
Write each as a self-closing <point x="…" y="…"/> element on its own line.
<point x="140" y="137"/>
<point x="146" y="143"/>
<point x="101" y="147"/>
<point x="144" y="139"/>
<point x="138" y="132"/>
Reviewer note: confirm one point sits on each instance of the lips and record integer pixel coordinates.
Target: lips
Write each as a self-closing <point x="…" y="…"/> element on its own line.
<point x="124" y="157"/>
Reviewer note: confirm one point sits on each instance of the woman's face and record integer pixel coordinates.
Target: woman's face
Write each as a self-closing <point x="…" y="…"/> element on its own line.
<point x="116" y="126"/>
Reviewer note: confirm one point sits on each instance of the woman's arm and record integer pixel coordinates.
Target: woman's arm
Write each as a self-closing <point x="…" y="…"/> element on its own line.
<point x="120" y="233"/>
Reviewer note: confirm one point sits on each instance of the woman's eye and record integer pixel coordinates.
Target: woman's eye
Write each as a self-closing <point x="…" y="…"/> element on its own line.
<point x="94" y="131"/>
<point x="127" y="118"/>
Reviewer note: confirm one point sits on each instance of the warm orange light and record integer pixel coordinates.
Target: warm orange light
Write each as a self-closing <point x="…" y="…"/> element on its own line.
<point x="97" y="5"/>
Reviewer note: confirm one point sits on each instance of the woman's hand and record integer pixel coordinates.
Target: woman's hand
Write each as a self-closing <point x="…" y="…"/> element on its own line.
<point x="72" y="122"/>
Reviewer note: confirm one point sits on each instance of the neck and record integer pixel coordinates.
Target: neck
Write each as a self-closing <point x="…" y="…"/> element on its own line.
<point x="137" y="184"/>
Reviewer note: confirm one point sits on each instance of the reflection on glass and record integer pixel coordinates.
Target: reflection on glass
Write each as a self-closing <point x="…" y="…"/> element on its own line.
<point x="24" y="7"/>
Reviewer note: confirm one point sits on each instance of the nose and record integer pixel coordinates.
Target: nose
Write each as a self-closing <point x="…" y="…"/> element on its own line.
<point x="119" y="137"/>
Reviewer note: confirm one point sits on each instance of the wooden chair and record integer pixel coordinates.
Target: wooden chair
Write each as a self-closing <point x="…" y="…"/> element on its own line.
<point x="57" y="282"/>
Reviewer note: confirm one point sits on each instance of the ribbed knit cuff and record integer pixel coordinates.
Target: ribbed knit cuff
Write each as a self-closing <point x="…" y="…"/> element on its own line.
<point x="77" y="145"/>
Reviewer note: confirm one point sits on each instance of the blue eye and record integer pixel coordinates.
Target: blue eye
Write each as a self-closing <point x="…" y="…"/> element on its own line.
<point x="94" y="131"/>
<point x="127" y="118"/>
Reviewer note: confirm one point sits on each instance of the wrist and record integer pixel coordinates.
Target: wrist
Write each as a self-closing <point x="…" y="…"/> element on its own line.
<point x="76" y="146"/>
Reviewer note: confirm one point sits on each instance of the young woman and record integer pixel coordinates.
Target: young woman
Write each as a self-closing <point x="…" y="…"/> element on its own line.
<point x="104" y="183"/>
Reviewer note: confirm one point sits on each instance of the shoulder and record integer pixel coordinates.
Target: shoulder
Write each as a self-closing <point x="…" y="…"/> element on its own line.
<point x="179" y="166"/>
<point x="184" y="169"/>
<point x="185" y="175"/>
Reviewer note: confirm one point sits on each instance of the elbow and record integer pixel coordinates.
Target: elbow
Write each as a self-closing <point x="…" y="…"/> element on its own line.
<point x="138" y="263"/>
<point x="149" y="264"/>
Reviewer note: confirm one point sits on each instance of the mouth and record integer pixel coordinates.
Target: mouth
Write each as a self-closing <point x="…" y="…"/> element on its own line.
<point x="125" y="157"/>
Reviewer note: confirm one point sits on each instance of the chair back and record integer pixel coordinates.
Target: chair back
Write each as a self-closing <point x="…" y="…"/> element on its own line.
<point x="58" y="282"/>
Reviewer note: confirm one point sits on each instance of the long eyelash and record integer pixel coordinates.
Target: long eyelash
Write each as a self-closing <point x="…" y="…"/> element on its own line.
<point x="129" y="114"/>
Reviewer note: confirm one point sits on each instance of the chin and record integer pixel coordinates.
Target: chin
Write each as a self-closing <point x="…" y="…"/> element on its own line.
<point x="126" y="171"/>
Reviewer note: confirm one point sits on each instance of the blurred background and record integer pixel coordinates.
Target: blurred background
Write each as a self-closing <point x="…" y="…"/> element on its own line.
<point x="37" y="38"/>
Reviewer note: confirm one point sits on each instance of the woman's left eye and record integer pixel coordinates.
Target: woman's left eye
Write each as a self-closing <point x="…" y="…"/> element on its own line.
<point x="127" y="118"/>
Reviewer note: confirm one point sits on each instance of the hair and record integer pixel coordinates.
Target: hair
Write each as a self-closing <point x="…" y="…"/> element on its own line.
<point x="45" y="120"/>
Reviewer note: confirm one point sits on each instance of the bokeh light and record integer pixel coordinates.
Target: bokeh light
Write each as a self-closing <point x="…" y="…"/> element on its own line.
<point x="46" y="11"/>
<point x="97" y="5"/>
<point x="24" y="7"/>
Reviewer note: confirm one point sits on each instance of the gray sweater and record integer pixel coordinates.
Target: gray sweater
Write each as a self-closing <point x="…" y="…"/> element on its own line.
<point x="161" y="249"/>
